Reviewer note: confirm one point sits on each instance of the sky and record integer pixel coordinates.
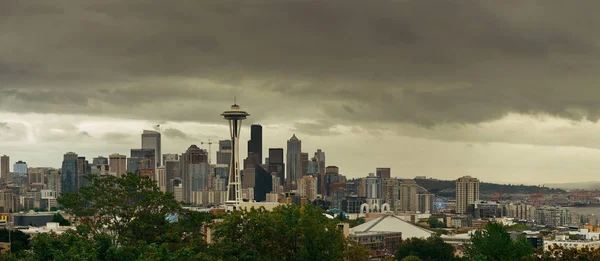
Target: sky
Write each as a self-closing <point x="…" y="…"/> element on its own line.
<point x="505" y="91"/>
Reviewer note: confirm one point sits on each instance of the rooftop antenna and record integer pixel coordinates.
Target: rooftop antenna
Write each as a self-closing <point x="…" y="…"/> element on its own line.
<point x="234" y="100"/>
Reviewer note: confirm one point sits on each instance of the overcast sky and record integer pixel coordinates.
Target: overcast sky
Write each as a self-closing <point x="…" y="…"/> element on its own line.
<point x="506" y="91"/>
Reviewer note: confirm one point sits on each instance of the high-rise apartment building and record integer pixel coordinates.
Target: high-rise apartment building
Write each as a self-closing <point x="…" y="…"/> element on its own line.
<point x="83" y="168"/>
<point x="467" y="192"/>
<point x="372" y="187"/>
<point x="294" y="161"/>
<point x="224" y="153"/>
<point x="384" y="173"/>
<point x="55" y="181"/>
<point x="152" y="140"/>
<point x="4" y="167"/>
<point x="307" y="187"/>
<point x="255" y="143"/>
<point x="69" y="177"/>
<point x="117" y="164"/>
<point x="408" y="195"/>
<point x="276" y="163"/>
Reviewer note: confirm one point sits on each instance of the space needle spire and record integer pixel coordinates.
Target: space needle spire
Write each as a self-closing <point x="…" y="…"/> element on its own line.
<point x="235" y="116"/>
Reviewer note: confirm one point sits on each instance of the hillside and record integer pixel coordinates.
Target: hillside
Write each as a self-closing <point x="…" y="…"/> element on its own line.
<point x="447" y="188"/>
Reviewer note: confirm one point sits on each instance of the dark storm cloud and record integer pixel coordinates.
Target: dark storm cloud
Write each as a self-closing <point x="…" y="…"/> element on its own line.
<point x="175" y="134"/>
<point x="350" y="62"/>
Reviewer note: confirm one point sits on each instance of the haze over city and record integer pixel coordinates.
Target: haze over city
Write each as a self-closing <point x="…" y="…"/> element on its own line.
<point x="442" y="89"/>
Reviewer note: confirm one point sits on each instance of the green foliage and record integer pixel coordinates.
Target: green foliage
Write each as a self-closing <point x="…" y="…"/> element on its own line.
<point x="494" y="243"/>
<point x="58" y="218"/>
<point x="20" y="241"/>
<point x="433" y="249"/>
<point x="286" y="233"/>
<point x="411" y="258"/>
<point x="131" y="208"/>
<point x="435" y="223"/>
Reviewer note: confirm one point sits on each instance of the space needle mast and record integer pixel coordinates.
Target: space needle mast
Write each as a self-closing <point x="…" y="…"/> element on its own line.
<point x="234" y="187"/>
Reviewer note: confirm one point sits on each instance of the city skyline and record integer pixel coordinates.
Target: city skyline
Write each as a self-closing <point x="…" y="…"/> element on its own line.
<point x="412" y="85"/>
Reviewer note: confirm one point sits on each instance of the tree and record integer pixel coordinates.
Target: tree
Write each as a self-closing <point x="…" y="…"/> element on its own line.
<point x="495" y="243"/>
<point x="433" y="249"/>
<point x="411" y="258"/>
<point x="20" y="241"/>
<point x="130" y="207"/>
<point x="518" y="227"/>
<point x="435" y="223"/>
<point x="58" y="218"/>
<point x="288" y="232"/>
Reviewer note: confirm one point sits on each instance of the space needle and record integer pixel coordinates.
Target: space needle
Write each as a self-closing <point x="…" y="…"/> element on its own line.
<point x="235" y="116"/>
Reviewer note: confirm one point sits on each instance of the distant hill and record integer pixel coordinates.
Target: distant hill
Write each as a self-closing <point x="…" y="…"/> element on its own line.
<point x="447" y="188"/>
<point x="591" y="185"/>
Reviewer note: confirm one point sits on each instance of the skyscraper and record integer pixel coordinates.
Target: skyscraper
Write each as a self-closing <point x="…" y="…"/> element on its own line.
<point x="152" y="140"/>
<point x="100" y="166"/>
<point x="305" y="163"/>
<point x="384" y="173"/>
<point x="4" y="167"/>
<point x="255" y="142"/>
<point x="276" y="164"/>
<point x="408" y="195"/>
<point x="191" y="170"/>
<point x="467" y="192"/>
<point x="294" y="161"/>
<point x="320" y="158"/>
<point x="117" y="164"/>
<point x="224" y="153"/>
<point x="235" y="116"/>
<point x="19" y="176"/>
<point x="69" y="177"/>
<point x="20" y="167"/>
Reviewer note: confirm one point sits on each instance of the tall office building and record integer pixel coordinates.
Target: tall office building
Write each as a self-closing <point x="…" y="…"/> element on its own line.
<point x="320" y="158"/>
<point x="467" y="192"/>
<point x="305" y="163"/>
<point x="117" y="164"/>
<point x="100" y="166"/>
<point x="19" y="175"/>
<point x="384" y="173"/>
<point x="152" y="140"/>
<point x="4" y="167"/>
<point x="55" y="181"/>
<point x="146" y="157"/>
<point x="276" y="164"/>
<point x="20" y="167"/>
<point x="169" y="156"/>
<point x="294" y="161"/>
<point x="190" y="166"/>
<point x="83" y="168"/>
<point x="224" y="153"/>
<point x="255" y="142"/>
<point x="69" y="177"/>
<point x="172" y="168"/>
<point x="161" y="178"/>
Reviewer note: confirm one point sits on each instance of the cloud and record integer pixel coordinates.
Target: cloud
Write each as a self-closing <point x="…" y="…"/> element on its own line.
<point x="116" y="136"/>
<point x="349" y="62"/>
<point x="4" y="126"/>
<point x="175" y="134"/>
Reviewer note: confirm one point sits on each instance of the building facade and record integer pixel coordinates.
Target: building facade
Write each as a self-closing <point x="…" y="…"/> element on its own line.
<point x="152" y="140"/>
<point x="467" y="192"/>
<point x="294" y="161"/>
<point x="69" y="177"/>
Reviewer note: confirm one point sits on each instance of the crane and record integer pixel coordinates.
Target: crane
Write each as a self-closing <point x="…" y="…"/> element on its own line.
<point x="498" y="197"/>
<point x="209" y="142"/>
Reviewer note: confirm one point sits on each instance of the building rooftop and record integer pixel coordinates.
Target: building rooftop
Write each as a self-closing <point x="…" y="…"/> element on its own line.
<point x="392" y="223"/>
